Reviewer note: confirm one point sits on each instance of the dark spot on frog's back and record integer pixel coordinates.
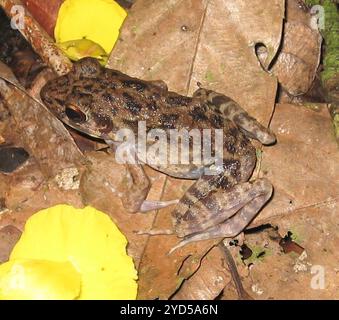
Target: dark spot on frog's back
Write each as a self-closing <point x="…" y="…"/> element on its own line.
<point x="110" y="100"/>
<point x="152" y="106"/>
<point x="130" y="104"/>
<point x="134" y="84"/>
<point x="178" y="100"/>
<point x="108" y="97"/>
<point x="217" y="121"/>
<point x="234" y="132"/>
<point x="104" y="84"/>
<point x="230" y="146"/>
<point x="198" y="114"/>
<point x="220" y="99"/>
<point x="104" y="123"/>
<point x="168" y="121"/>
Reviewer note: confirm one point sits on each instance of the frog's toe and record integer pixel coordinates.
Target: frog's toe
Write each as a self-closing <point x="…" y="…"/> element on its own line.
<point x="266" y="137"/>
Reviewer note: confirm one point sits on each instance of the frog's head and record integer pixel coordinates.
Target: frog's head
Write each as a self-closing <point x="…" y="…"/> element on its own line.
<point x="72" y="105"/>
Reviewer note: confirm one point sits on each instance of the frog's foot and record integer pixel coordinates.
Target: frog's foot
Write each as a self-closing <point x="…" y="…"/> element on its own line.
<point x="232" y="111"/>
<point x="231" y="211"/>
<point x="149" y="205"/>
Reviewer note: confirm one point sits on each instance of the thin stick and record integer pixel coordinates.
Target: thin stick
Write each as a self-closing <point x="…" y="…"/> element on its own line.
<point x="242" y="294"/>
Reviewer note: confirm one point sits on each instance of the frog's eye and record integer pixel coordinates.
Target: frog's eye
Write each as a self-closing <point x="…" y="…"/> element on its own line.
<point x="75" y="114"/>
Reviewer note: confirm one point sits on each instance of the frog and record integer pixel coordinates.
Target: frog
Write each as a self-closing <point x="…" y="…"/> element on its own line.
<point x="99" y="101"/>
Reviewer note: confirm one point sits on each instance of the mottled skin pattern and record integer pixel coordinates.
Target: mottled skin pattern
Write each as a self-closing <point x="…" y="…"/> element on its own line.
<point x="99" y="101"/>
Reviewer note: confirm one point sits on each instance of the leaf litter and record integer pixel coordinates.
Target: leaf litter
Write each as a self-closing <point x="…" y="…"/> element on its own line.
<point x="182" y="43"/>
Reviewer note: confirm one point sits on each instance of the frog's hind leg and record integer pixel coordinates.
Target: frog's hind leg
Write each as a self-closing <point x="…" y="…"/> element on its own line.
<point x="232" y="111"/>
<point x="237" y="208"/>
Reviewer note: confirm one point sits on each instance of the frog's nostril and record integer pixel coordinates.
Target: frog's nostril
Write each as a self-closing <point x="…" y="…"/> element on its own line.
<point x="75" y="115"/>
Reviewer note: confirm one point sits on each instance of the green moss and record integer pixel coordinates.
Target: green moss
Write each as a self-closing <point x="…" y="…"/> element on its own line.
<point x="312" y="106"/>
<point x="296" y="236"/>
<point x="257" y="255"/>
<point x="134" y="29"/>
<point x="336" y="125"/>
<point x="312" y="2"/>
<point x="259" y="153"/>
<point x="209" y="76"/>
<point x="179" y="282"/>
<point x="331" y="36"/>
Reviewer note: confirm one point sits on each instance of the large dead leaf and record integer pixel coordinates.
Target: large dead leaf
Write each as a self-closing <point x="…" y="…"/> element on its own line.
<point x="307" y="149"/>
<point x="213" y="42"/>
<point x="183" y="42"/>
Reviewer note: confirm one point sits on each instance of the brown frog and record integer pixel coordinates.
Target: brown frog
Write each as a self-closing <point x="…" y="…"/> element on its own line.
<point x="99" y="102"/>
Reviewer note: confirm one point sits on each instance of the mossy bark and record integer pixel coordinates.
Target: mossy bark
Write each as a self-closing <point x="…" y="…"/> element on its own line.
<point x="330" y="75"/>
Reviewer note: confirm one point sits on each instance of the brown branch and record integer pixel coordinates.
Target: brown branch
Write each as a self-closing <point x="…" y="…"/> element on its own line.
<point x="41" y="42"/>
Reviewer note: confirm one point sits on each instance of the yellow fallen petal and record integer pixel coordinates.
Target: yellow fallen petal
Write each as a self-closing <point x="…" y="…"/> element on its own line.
<point x="90" y="241"/>
<point x="96" y="20"/>
<point x="77" y="49"/>
<point x="38" y="280"/>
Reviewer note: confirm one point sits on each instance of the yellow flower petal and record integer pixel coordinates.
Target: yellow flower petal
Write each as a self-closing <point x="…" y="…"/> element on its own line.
<point x="38" y="280"/>
<point x="90" y="241"/>
<point x="77" y="49"/>
<point x="96" y="20"/>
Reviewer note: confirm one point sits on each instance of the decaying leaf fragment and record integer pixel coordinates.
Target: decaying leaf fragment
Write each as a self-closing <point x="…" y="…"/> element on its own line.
<point x="299" y="58"/>
<point x="208" y="282"/>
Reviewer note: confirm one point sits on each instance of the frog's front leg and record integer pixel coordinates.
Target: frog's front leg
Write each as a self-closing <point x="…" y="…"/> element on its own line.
<point x="136" y="186"/>
<point x="234" y="112"/>
<point x="222" y="213"/>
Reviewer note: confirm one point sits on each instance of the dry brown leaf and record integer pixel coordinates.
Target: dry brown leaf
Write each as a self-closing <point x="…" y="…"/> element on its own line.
<point x="209" y="280"/>
<point x="182" y="42"/>
<point x="299" y="58"/>
<point x="9" y="236"/>
<point x="213" y="42"/>
<point x="290" y="276"/>
<point x="307" y="149"/>
<point x="42" y="135"/>
<point x="27" y="191"/>
<point x="45" y="12"/>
